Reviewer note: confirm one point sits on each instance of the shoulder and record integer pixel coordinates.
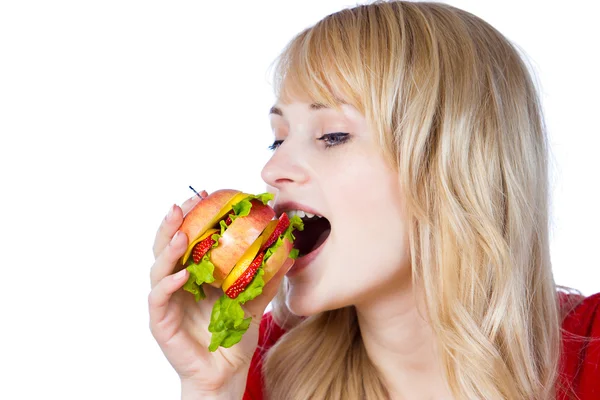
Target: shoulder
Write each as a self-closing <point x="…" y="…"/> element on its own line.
<point x="580" y="366"/>
<point x="582" y="313"/>
<point x="269" y="332"/>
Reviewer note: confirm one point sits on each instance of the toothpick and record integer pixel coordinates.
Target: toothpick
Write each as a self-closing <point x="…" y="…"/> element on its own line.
<point x="199" y="195"/>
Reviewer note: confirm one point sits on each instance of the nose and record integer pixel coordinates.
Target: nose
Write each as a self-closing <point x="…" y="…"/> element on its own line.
<point x="285" y="168"/>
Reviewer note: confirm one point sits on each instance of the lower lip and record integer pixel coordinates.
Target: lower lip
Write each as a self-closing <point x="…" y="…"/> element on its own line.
<point x="304" y="261"/>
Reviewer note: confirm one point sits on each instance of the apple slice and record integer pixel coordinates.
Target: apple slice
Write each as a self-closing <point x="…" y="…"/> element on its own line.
<point x="238" y="238"/>
<point x="282" y="225"/>
<point x="242" y="265"/>
<point x="242" y="282"/>
<point x="201" y="218"/>
<point x="277" y="259"/>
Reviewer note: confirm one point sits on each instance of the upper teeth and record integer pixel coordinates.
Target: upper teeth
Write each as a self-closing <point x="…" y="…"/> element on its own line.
<point x="302" y="214"/>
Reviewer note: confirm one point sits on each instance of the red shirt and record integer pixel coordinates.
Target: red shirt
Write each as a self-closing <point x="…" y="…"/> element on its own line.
<point x="579" y="370"/>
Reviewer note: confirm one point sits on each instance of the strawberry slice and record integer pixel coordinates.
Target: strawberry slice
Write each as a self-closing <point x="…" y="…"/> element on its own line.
<point x="228" y="220"/>
<point x="282" y="225"/>
<point x="201" y="248"/>
<point x="244" y="280"/>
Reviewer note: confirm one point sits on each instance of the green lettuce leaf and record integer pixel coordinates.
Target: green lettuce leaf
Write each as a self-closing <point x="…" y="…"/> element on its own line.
<point x="223" y="226"/>
<point x="242" y="208"/>
<point x="199" y="274"/>
<point x="272" y="249"/>
<point x="294" y="254"/>
<point x="295" y="223"/>
<point x="254" y="289"/>
<point x="227" y="322"/>
<point x="264" y="197"/>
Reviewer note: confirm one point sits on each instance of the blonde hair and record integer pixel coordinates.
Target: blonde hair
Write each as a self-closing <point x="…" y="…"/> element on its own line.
<point x="458" y="115"/>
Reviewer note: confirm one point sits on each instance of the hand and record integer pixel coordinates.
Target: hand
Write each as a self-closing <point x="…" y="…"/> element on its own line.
<point x="180" y="324"/>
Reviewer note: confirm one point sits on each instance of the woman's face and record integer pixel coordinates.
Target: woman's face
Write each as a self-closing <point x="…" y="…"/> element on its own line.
<point x="329" y="163"/>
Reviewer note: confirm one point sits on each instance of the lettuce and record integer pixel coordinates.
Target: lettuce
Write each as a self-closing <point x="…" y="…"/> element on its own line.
<point x="294" y="254"/>
<point x="227" y="322"/>
<point x="264" y="197"/>
<point x="203" y="271"/>
<point x="199" y="274"/>
<point x="242" y="208"/>
<point x="295" y="223"/>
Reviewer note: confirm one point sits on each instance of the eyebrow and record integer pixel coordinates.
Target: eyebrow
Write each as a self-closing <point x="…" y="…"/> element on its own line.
<point x="314" y="106"/>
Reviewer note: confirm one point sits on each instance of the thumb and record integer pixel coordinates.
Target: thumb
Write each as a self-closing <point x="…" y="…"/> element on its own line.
<point x="257" y="306"/>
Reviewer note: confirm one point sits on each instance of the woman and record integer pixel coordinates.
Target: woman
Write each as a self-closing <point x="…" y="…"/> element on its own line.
<point x="416" y="130"/>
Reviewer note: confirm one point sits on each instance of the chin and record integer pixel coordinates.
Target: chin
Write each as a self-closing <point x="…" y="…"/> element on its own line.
<point x="301" y="304"/>
<point x="303" y="300"/>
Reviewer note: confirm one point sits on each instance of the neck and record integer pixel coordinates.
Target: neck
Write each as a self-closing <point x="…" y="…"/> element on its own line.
<point x="401" y="344"/>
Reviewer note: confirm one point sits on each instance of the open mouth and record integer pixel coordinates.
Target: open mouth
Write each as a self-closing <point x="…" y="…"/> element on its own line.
<point x="316" y="231"/>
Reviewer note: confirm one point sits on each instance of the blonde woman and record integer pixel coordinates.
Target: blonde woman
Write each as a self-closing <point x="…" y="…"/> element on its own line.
<point x="415" y="131"/>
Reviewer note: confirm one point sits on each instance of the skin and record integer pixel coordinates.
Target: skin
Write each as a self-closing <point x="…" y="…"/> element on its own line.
<point x="357" y="191"/>
<point x="352" y="186"/>
<point x="180" y="325"/>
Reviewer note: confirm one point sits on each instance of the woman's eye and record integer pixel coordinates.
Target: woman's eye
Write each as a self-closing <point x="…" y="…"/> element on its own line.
<point x="330" y="140"/>
<point x="334" y="139"/>
<point x="275" y="145"/>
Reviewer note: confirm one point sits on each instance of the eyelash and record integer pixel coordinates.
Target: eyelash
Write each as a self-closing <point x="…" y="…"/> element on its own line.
<point x="337" y="137"/>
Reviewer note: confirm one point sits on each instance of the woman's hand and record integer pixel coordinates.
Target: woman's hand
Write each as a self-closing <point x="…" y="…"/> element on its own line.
<point x="180" y="324"/>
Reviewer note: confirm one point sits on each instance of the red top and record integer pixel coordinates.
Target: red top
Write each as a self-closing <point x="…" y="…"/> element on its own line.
<point x="580" y="369"/>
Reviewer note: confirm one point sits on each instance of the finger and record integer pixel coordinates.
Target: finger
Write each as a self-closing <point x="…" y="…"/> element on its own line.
<point x="158" y="299"/>
<point x="172" y="222"/>
<point x="167" y="259"/>
<point x="192" y="201"/>
<point x="167" y="229"/>
<point x="257" y="306"/>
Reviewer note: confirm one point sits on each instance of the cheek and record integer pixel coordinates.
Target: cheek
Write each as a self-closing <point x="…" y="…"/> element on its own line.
<point x="368" y="253"/>
<point x="358" y="266"/>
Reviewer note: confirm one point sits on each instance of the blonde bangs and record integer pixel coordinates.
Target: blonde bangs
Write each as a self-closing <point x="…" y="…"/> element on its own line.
<point x="317" y="67"/>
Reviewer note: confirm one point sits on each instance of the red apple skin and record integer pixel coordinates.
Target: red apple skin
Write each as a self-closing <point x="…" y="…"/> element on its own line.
<point x="201" y="218"/>
<point x="277" y="259"/>
<point x="237" y="238"/>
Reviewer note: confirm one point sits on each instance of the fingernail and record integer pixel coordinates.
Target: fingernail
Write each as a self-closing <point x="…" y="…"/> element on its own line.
<point x="170" y="213"/>
<point x="180" y="274"/>
<point x="199" y="196"/>
<point x="175" y="237"/>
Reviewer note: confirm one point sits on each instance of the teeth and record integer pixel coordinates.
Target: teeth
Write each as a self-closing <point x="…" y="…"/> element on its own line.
<point x="302" y="214"/>
<point x="292" y="213"/>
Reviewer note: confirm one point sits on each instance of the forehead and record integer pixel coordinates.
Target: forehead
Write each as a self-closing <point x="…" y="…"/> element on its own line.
<point x="299" y="111"/>
<point x="277" y="109"/>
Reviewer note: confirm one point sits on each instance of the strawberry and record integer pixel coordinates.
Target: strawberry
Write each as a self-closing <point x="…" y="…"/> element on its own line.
<point x="282" y="225"/>
<point x="244" y="280"/>
<point x="201" y="248"/>
<point x="228" y="220"/>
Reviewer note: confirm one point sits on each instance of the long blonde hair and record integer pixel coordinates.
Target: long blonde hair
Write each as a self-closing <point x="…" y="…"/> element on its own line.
<point x="458" y="115"/>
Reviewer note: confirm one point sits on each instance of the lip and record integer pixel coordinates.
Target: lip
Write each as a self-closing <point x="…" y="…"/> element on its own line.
<point x="292" y="205"/>
<point x="304" y="261"/>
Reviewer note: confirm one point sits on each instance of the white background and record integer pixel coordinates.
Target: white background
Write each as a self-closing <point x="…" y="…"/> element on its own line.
<point x="109" y="110"/>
